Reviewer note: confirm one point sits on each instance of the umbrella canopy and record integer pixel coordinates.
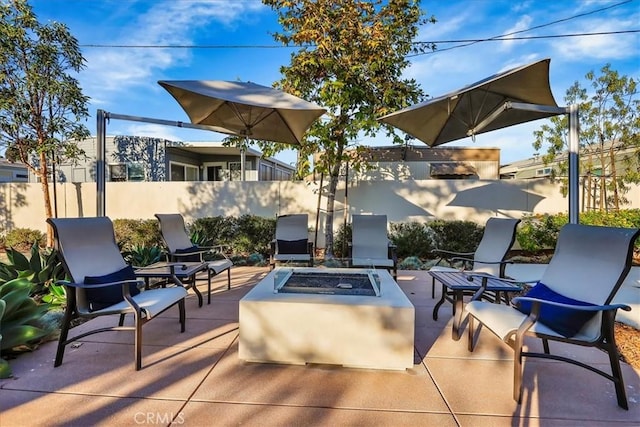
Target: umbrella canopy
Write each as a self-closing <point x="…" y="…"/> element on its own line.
<point x="245" y="108"/>
<point x="480" y="107"/>
<point x="497" y="196"/>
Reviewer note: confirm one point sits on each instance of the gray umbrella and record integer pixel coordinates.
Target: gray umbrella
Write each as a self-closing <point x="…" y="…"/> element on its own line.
<point x="481" y="107"/>
<point x="245" y="108"/>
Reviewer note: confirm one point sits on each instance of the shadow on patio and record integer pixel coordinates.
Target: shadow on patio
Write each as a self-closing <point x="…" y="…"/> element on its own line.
<point x="196" y="378"/>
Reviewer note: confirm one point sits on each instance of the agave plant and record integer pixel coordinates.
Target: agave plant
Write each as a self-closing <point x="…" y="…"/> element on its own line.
<point x="141" y="256"/>
<point x="42" y="268"/>
<point x="20" y="323"/>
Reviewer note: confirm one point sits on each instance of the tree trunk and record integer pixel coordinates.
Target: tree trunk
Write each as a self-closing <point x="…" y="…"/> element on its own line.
<point x="328" y="227"/>
<point x="44" y="182"/>
<point x="614" y="179"/>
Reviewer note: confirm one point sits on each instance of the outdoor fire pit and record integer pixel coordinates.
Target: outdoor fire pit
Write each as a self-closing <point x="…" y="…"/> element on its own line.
<point x="349" y="317"/>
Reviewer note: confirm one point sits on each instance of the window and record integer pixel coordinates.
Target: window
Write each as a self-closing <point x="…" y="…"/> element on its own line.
<point x="182" y="172"/>
<point x="121" y="172"/>
<point x="118" y="172"/>
<point x="235" y="169"/>
<point x="543" y="172"/>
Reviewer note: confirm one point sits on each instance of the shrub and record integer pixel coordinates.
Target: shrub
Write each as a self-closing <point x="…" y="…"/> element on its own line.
<point x="215" y="230"/>
<point x="539" y="232"/>
<point x="341" y="241"/>
<point x="456" y="236"/>
<point x="411" y="263"/>
<point x="412" y="239"/>
<point x="22" y="239"/>
<point x="137" y="232"/>
<point x="254" y="234"/>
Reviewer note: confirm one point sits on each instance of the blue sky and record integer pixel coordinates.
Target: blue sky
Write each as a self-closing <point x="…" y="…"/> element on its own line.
<point x="124" y="80"/>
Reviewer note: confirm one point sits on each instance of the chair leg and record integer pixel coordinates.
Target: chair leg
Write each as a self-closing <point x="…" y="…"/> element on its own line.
<point x="545" y="346"/>
<point x="229" y="278"/>
<point x="209" y="276"/>
<point x="517" y="368"/>
<point x="182" y="314"/>
<point x="433" y="287"/>
<point x="138" y="339"/>
<point x="609" y="345"/>
<point x="69" y="314"/>
<point x="121" y="321"/>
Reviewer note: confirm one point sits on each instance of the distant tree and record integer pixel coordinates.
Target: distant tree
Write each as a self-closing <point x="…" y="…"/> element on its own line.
<point x="351" y="62"/>
<point x="609" y="136"/>
<point x="146" y="153"/>
<point x="41" y="103"/>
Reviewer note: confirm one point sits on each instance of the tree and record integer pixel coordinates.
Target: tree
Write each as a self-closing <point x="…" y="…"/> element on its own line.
<point x="609" y="137"/>
<point x="41" y="103"/>
<point x="350" y="62"/>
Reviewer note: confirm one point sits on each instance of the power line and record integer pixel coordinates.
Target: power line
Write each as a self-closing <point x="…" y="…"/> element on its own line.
<point x="505" y="37"/>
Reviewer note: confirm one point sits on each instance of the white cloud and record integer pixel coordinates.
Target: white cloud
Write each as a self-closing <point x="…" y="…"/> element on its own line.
<point x="523" y="23"/>
<point x="111" y="72"/>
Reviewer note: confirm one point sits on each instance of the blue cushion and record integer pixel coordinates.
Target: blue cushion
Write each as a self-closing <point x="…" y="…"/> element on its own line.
<point x="189" y="258"/>
<point x="293" y="246"/>
<point x="565" y="321"/>
<point x="100" y="298"/>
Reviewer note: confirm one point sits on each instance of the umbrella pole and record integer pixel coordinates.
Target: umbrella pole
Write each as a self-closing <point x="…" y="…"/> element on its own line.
<point x="243" y="159"/>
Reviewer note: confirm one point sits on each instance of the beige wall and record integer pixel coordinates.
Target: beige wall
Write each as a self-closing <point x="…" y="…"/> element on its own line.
<point x="421" y="200"/>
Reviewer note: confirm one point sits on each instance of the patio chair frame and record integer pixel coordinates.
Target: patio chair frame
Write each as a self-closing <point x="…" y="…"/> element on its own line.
<point x="620" y="240"/>
<point x="174" y="225"/>
<point x="136" y="305"/>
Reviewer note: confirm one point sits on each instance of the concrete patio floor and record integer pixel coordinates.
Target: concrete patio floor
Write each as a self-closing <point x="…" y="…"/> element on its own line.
<point x="196" y="378"/>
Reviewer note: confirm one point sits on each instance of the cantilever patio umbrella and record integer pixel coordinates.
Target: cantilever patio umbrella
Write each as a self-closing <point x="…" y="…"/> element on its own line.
<point x="246" y="109"/>
<point x="505" y="99"/>
<point x="480" y="107"/>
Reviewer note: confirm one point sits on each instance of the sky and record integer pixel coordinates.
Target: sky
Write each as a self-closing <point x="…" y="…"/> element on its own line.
<point x="123" y="80"/>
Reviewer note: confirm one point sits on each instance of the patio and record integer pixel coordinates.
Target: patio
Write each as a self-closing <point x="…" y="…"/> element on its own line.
<point x="196" y="378"/>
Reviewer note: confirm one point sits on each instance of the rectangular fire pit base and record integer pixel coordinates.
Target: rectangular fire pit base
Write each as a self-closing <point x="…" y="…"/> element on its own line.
<point x="360" y="331"/>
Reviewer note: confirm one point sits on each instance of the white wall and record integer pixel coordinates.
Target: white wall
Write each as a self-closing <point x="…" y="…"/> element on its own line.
<point x="21" y="204"/>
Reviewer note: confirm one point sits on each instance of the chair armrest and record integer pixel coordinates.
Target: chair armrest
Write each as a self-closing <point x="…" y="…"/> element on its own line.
<point x="504" y="279"/>
<point x="447" y="254"/>
<point x="100" y="285"/>
<point x="194" y="252"/>
<point x="574" y="307"/>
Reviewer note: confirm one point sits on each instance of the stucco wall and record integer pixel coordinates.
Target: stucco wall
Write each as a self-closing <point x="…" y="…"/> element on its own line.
<point x="421" y="200"/>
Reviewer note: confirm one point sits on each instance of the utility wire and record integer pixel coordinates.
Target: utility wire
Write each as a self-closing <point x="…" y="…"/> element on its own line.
<point x="505" y="37"/>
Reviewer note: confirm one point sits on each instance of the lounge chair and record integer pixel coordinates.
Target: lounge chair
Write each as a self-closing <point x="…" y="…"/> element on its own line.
<point x="180" y="248"/>
<point x="370" y="246"/>
<point x="571" y="303"/>
<point x="291" y="243"/>
<point x="489" y="256"/>
<point x="103" y="284"/>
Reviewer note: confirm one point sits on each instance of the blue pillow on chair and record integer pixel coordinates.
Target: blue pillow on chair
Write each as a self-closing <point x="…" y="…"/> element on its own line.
<point x="100" y="298"/>
<point x="197" y="257"/>
<point x="291" y="247"/>
<point x="565" y="321"/>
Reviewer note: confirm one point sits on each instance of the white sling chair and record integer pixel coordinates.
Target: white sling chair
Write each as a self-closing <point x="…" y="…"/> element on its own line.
<point x="180" y="248"/>
<point x="103" y="284"/>
<point x="573" y="305"/>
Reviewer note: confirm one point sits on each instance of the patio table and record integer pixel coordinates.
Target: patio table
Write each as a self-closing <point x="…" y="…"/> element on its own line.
<point x="176" y="272"/>
<point x="457" y="284"/>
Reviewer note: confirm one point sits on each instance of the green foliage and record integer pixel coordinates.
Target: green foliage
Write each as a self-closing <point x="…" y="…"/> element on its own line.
<point x="215" y="230"/>
<point x="42" y="268"/>
<point x="609" y="116"/>
<point x="141" y="256"/>
<point x="412" y="239"/>
<point x="42" y="108"/>
<point x="256" y="259"/>
<point x="456" y="236"/>
<point x="341" y="241"/>
<point x="20" y="323"/>
<point x="132" y="233"/>
<point x="253" y="234"/>
<point x="23" y="238"/>
<point x="539" y="232"/>
<point x="354" y="69"/>
<point x="411" y="263"/>
<point x="56" y="297"/>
